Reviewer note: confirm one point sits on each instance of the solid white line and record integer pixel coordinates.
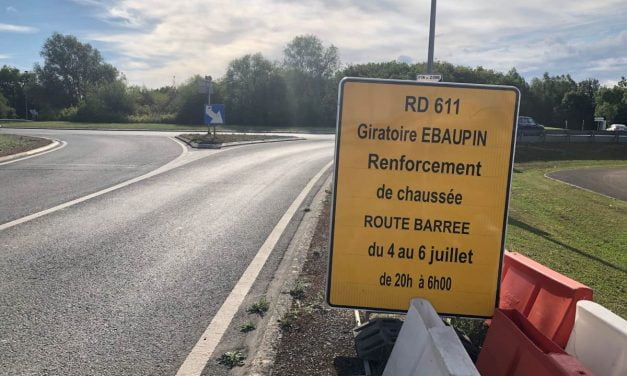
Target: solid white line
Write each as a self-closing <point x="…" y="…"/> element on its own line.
<point x="170" y="165"/>
<point x="200" y="354"/>
<point x="576" y="186"/>
<point x="37" y="152"/>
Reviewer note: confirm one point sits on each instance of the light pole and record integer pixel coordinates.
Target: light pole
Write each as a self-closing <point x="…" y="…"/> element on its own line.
<point x="431" y="38"/>
<point x="25" y="95"/>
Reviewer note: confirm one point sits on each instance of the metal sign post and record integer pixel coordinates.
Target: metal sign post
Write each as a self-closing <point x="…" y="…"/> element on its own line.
<point x="431" y="38"/>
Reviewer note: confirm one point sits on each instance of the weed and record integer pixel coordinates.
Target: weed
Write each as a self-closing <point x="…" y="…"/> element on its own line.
<point x="298" y="290"/>
<point x="248" y="326"/>
<point x="260" y="307"/>
<point x="287" y="323"/>
<point x="232" y="359"/>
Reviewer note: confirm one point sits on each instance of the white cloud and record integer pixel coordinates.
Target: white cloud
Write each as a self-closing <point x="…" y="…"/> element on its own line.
<point x="17" y="28"/>
<point x="11" y="9"/>
<point x="160" y="38"/>
<point x="5" y="56"/>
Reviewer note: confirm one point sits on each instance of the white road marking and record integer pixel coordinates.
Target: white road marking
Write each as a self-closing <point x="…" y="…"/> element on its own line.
<point x="170" y="165"/>
<point x="202" y="351"/>
<point x="37" y="154"/>
<point x="576" y="186"/>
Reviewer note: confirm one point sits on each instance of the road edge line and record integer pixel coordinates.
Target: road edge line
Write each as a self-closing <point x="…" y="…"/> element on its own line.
<point x="200" y="354"/>
<point x="546" y="175"/>
<point x="166" y="167"/>
<point x="53" y="146"/>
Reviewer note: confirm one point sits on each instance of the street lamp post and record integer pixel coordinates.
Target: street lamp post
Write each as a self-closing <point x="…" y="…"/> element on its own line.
<point x="25" y="96"/>
<point x="431" y="38"/>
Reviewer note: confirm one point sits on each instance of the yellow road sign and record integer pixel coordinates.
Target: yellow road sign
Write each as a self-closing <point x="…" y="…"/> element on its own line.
<point x="422" y="174"/>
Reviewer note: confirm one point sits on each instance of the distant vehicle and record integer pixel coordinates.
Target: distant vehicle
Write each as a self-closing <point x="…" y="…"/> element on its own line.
<point x="617" y="127"/>
<point x="527" y="123"/>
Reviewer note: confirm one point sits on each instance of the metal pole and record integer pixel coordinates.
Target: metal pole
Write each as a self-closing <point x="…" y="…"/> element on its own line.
<point x="431" y="38"/>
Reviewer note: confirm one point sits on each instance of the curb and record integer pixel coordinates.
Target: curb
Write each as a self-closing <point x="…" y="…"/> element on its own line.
<point x="31" y="153"/>
<point x="263" y="353"/>
<point x="227" y="144"/>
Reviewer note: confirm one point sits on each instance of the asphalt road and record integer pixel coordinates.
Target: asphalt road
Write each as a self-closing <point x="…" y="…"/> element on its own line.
<point x="125" y="283"/>
<point x="88" y="163"/>
<point x="608" y="181"/>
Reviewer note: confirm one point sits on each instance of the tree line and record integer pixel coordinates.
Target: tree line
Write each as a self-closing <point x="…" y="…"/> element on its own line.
<point x="74" y="83"/>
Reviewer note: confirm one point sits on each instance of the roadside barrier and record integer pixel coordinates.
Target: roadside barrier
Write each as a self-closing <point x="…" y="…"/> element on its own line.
<point x="514" y="347"/>
<point x="546" y="298"/>
<point x="426" y="346"/>
<point x="599" y="339"/>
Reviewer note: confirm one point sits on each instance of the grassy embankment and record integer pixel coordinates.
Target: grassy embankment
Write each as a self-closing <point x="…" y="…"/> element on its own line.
<point x="161" y="127"/>
<point x="13" y="144"/>
<point x="578" y="233"/>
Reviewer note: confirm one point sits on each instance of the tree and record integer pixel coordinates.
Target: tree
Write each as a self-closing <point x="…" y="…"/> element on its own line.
<point x="548" y="93"/>
<point x="309" y="69"/>
<point x="71" y="69"/>
<point x="578" y="109"/>
<point x="6" y="111"/>
<point x="106" y="103"/>
<point x="612" y="103"/>
<point x="255" y="92"/>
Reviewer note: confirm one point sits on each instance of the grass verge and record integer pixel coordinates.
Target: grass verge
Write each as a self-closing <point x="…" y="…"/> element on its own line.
<point x="163" y="127"/>
<point x="572" y="231"/>
<point x="12" y="144"/>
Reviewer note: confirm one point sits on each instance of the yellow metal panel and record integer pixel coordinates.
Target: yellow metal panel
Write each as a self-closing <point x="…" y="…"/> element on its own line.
<point x="421" y="190"/>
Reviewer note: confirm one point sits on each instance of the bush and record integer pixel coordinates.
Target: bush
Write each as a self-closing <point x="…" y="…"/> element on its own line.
<point x="153" y="118"/>
<point x="108" y="103"/>
<point x="6" y="111"/>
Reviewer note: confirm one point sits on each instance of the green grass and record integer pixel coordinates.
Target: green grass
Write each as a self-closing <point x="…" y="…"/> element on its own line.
<point x="12" y="144"/>
<point x="162" y="127"/>
<point x="578" y="233"/>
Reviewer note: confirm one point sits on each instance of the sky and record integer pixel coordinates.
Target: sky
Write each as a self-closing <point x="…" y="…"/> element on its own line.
<point x="156" y="42"/>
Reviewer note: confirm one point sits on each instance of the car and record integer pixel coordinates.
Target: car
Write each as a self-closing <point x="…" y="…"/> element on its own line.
<point x="527" y="123"/>
<point x="617" y="127"/>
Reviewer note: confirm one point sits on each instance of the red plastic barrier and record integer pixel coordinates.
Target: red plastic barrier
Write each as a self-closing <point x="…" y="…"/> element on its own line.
<point x="514" y="347"/>
<point x="548" y="299"/>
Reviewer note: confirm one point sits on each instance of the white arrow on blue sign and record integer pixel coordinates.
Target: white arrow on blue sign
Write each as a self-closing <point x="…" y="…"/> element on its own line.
<point x="214" y="114"/>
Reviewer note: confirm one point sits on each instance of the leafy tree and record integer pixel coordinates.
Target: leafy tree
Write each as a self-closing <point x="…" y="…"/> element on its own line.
<point x="71" y="69"/>
<point x="6" y="111"/>
<point x="612" y="103"/>
<point x="255" y="92"/>
<point x="549" y="93"/>
<point x="309" y="74"/>
<point x="106" y="103"/>
<point x="189" y="104"/>
<point x="578" y="109"/>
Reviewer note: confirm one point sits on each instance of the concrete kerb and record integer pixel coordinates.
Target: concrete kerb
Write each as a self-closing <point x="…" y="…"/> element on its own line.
<point x="263" y="353"/>
<point x="31" y="153"/>
<point x="227" y="144"/>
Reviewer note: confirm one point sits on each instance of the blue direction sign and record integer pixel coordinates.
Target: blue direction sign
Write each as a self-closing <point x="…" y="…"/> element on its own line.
<point x="214" y="114"/>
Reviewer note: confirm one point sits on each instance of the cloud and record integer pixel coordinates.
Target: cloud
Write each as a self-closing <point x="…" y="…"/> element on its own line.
<point x="11" y="9"/>
<point x="157" y="39"/>
<point x="4" y="27"/>
<point x="5" y="56"/>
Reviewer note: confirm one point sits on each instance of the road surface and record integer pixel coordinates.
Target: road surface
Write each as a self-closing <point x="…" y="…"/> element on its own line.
<point x="88" y="163"/>
<point x="126" y="282"/>
<point x="607" y="181"/>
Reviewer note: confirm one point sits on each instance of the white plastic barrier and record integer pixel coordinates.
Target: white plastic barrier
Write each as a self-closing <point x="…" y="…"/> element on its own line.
<point x="426" y="346"/>
<point x="599" y="339"/>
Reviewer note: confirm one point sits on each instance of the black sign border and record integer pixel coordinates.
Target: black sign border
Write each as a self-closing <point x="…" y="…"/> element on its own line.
<point x="336" y="168"/>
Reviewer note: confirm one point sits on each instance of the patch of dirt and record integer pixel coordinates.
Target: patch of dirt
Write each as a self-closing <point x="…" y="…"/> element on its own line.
<point x="13" y="144"/>
<point x="221" y="138"/>
<point x="317" y="340"/>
